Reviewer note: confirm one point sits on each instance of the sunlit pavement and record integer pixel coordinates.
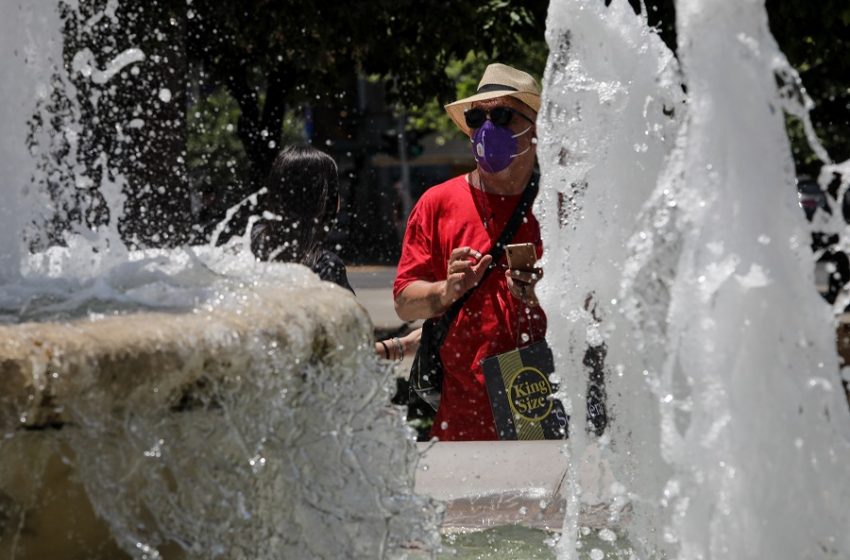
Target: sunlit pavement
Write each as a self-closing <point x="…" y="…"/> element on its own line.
<point x="374" y="289"/>
<point x="373" y="286"/>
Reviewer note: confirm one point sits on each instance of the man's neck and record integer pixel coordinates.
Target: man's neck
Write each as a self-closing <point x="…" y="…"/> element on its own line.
<point x="508" y="182"/>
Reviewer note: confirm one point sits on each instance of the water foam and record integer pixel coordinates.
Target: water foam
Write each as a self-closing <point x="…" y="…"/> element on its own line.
<point x="730" y="429"/>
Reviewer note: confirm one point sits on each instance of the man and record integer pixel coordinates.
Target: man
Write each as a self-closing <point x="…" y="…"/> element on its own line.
<point x="449" y="234"/>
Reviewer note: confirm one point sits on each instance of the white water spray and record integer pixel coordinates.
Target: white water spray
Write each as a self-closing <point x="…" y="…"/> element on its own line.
<point x="30" y="44"/>
<point x="730" y="433"/>
<point x="261" y="425"/>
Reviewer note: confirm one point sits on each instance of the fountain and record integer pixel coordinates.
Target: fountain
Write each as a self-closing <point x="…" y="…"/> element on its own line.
<point x="175" y="403"/>
<point x="671" y="220"/>
<point x="189" y="402"/>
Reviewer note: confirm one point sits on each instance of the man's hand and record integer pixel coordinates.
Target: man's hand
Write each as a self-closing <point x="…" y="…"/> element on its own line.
<point x="423" y="299"/>
<point x="521" y="284"/>
<point x="464" y="270"/>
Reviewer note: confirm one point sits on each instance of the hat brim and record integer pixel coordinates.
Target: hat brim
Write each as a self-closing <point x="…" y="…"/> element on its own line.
<point x="456" y="109"/>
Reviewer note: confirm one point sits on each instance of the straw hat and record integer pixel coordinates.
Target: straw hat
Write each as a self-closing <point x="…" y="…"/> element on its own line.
<point x="499" y="80"/>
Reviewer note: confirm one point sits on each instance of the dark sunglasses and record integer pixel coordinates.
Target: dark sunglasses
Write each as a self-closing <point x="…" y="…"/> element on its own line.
<point x="501" y="116"/>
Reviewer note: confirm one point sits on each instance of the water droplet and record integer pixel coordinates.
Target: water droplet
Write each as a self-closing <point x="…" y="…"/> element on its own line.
<point x="607" y="535"/>
<point x="257" y="463"/>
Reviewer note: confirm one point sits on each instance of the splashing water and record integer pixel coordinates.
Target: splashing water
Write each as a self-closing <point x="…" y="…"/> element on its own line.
<point x="275" y="443"/>
<point x="673" y="236"/>
<point x="28" y="41"/>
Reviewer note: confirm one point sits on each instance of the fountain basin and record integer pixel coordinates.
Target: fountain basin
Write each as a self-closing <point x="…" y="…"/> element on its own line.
<point x="44" y="366"/>
<point x="485" y="484"/>
<point x="249" y="429"/>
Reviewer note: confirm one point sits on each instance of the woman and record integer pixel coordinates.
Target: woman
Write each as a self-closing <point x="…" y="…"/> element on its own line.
<point x="299" y="210"/>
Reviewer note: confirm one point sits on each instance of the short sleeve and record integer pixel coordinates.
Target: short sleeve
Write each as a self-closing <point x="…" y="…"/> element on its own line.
<point x="418" y="253"/>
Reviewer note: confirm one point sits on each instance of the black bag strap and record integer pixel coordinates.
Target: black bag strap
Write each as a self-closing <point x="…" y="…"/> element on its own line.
<point x="525" y="202"/>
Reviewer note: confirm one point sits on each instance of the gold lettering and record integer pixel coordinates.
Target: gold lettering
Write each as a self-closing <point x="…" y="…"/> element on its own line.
<point x="521" y="390"/>
<point x="536" y="403"/>
<point x="539" y="387"/>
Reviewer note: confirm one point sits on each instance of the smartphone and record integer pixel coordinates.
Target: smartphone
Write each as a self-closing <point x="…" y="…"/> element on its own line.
<point x="521" y="256"/>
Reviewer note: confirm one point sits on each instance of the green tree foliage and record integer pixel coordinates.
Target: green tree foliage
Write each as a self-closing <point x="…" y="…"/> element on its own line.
<point x="258" y="63"/>
<point x="275" y="55"/>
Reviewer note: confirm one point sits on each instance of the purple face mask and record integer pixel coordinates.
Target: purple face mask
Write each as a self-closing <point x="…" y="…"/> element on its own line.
<point x="494" y="146"/>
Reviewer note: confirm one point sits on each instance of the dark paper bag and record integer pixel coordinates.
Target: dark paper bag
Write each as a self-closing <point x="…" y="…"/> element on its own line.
<point x="521" y="395"/>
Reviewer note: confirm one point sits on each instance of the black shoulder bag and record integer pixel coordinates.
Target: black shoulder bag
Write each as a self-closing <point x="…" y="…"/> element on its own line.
<point x="426" y="373"/>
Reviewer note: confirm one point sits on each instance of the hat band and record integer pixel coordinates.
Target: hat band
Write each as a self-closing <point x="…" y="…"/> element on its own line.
<point x="487" y="88"/>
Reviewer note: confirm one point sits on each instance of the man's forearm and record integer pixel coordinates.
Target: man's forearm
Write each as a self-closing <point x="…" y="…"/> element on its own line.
<point x="422" y="300"/>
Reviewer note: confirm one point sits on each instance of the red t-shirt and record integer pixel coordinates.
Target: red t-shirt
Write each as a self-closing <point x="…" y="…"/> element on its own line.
<point x="492" y="321"/>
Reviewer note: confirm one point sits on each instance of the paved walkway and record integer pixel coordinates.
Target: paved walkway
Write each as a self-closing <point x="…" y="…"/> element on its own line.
<point x="374" y="288"/>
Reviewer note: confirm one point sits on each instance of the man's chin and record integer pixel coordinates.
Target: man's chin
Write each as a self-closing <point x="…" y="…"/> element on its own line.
<point x="503" y="174"/>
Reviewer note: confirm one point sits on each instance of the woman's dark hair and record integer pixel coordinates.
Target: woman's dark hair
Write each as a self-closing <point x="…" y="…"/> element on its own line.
<point x="303" y="190"/>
